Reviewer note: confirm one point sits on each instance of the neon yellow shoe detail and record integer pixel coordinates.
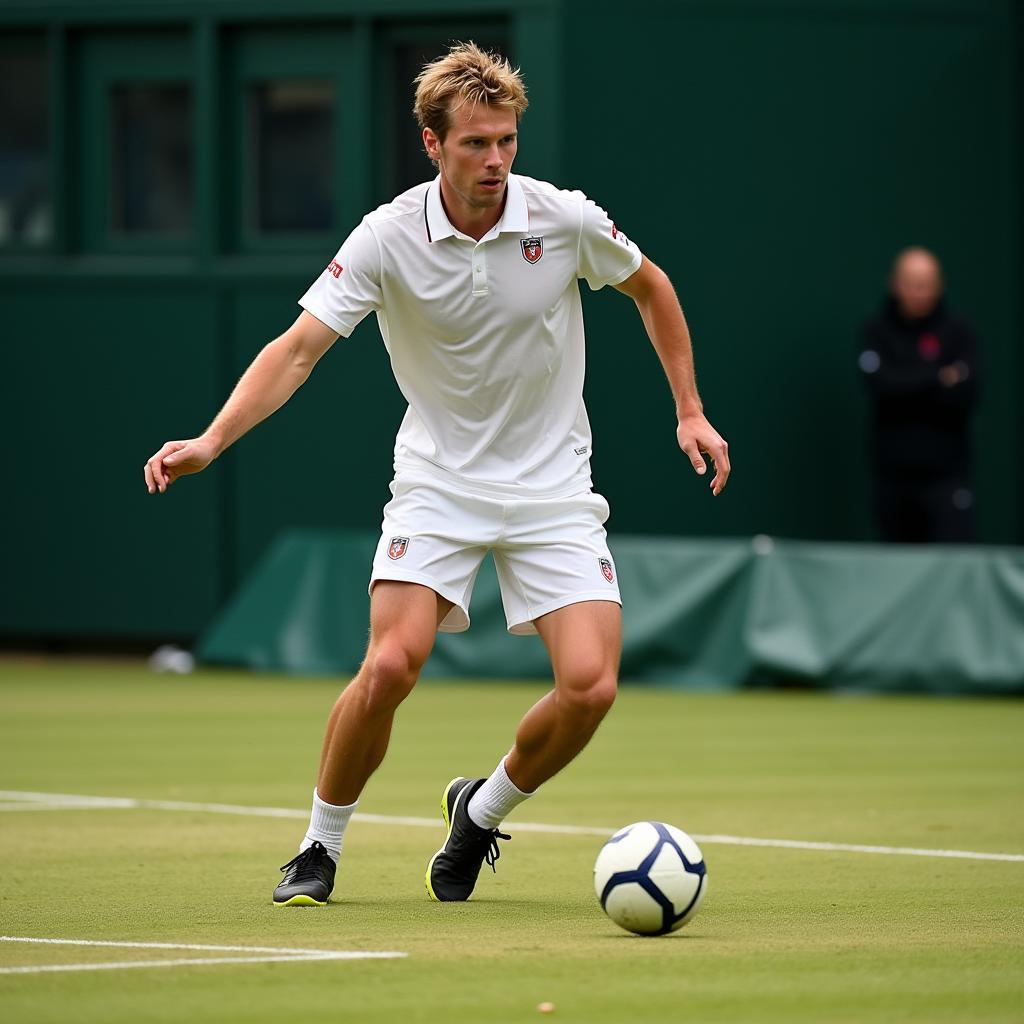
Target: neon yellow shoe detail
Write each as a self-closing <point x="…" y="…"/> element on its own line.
<point x="308" y="879"/>
<point x="452" y="871"/>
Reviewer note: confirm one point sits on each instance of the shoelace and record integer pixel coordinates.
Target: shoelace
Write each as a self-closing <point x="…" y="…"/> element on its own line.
<point x="307" y="863"/>
<point x="493" y="853"/>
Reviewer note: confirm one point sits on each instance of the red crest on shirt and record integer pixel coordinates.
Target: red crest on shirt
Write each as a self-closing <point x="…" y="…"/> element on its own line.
<point x="606" y="570"/>
<point x="533" y="249"/>
<point x="397" y="547"/>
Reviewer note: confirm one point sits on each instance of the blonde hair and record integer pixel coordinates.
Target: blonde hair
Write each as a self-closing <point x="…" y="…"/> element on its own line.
<point x="466" y="74"/>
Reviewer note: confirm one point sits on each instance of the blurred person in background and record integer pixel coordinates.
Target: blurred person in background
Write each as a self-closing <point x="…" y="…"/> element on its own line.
<point x="920" y="363"/>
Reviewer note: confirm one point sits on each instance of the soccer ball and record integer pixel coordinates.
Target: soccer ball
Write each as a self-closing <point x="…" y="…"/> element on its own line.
<point x="650" y="878"/>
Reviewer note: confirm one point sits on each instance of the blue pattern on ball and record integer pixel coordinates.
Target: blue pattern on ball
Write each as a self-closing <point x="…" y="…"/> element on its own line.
<point x="640" y="876"/>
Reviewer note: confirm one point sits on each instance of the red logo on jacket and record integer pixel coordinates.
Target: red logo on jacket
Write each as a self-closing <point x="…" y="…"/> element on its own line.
<point x="929" y="346"/>
<point x="397" y="547"/>
<point x="606" y="570"/>
<point x="335" y="268"/>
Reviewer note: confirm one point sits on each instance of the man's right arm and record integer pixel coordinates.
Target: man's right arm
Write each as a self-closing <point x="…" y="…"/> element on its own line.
<point x="271" y="379"/>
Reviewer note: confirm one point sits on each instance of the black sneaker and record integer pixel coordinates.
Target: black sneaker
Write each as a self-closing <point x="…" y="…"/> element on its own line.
<point x="453" y="870"/>
<point x="308" y="879"/>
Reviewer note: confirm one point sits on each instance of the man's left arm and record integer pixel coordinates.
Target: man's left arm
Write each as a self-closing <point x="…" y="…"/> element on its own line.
<point x="663" y="318"/>
<point x="961" y="376"/>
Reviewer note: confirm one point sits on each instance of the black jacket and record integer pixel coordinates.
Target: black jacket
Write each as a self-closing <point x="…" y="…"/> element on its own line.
<point x="921" y="428"/>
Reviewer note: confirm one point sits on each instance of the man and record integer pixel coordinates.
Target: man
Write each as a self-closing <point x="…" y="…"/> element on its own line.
<point x="920" y="362"/>
<point x="473" y="277"/>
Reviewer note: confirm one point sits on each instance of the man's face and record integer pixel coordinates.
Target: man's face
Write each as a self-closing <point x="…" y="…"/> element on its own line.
<point x="477" y="153"/>
<point x="917" y="284"/>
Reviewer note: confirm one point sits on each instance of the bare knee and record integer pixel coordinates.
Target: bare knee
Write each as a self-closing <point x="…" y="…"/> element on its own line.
<point x="387" y="677"/>
<point x="588" y="697"/>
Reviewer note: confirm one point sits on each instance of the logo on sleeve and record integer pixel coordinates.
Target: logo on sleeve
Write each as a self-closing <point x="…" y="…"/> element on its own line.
<point x="397" y="547"/>
<point x="533" y="249"/>
<point x="619" y="236"/>
<point x="607" y="570"/>
<point x="335" y="268"/>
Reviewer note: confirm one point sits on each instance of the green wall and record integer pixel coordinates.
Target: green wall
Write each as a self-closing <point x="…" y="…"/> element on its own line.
<point x="95" y="368"/>
<point x="772" y="156"/>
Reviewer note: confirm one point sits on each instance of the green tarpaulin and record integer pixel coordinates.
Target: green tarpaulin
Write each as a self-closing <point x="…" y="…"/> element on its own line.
<point x="697" y="613"/>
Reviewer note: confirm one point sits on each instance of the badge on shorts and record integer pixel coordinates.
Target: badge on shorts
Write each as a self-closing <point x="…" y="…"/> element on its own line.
<point x="533" y="249"/>
<point x="397" y="547"/>
<point x="606" y="570"/>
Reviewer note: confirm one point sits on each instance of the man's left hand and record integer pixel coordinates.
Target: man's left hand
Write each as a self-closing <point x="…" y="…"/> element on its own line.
<point x="698" y="438"/>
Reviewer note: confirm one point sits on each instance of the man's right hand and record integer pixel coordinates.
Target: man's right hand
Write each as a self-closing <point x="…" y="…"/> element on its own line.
<point x="178" y="458"/>
<point x="272" y="378"/>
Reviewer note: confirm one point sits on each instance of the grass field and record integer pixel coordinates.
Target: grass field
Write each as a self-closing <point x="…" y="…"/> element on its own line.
<point x="786" y="934"/>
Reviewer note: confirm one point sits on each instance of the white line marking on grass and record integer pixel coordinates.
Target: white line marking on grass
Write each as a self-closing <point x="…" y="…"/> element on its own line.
<point x="70" y="801"/>
<point x="53" y="806"/>
<point x="903" y="851"/>
<point x="267" y="955"/>
<point x="194" y="947"/>
<point x="121" y="965"/>
<point x="54" y="801"/>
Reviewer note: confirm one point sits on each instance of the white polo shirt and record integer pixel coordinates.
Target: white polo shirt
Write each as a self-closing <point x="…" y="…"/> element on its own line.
<point x="485" y="338"/>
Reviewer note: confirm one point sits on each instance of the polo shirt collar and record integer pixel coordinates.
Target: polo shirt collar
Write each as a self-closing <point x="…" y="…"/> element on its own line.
<point x="515" y="217"/>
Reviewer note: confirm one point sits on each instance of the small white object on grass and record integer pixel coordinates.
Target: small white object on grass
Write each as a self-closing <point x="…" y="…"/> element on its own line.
<point x="169" y="658"/>
<point x="545" y="1007"/>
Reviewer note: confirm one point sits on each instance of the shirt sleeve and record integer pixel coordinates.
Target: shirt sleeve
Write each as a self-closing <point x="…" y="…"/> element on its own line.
<point x="606" y="255"/>
<point x="349" y="288"/>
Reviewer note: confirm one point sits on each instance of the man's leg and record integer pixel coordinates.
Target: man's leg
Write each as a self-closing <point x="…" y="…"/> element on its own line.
<point x="949" y="507"/>
<point x="403" y="623"/>
<point x="584" y="641"/>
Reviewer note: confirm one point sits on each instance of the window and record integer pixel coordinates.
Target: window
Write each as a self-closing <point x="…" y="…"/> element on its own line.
<point x="290" y="125"/>
<point x="26" y="216"/>
<point x="295" y="152"/>
<point x="132" y="142"/>
<point x="151" y="158"/>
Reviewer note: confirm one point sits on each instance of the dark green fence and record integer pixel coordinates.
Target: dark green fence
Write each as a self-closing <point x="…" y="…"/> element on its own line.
<point x="703" y="614"/>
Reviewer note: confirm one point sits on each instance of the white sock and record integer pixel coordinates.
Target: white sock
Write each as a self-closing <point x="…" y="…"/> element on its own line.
<point x="495" y="799"/>
<point x="327" y="824"/>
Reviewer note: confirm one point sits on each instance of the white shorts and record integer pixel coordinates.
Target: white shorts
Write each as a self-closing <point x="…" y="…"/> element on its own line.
<point x="548" y="552"/>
